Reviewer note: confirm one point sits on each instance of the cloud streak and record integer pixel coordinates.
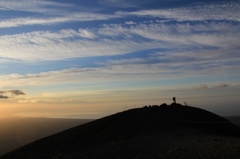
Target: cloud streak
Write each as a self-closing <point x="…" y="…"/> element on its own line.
<point x="3" y="97"/>
<point x="130" y="36"/>
<point x="224" y="11"/>
<point x="16" y="92"/>
<point x="88" y="42"/>
<point x="222" y="85"/>
<point x="121" y="70"/>
<point x="205" y="86"/>
<point x="34" y="101"/>
<point x="80" y="17"/>
<point x="201" y="40"/>
<point x="201" y="87"/>
<point x="33" y="6"/>
<point x="10" y="94"/>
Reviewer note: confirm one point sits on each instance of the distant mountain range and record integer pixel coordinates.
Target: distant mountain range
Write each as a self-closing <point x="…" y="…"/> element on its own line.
<point x="166" y="131"/>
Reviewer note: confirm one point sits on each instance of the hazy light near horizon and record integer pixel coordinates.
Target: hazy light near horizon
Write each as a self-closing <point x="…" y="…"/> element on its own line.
<point x="88" y="60"/>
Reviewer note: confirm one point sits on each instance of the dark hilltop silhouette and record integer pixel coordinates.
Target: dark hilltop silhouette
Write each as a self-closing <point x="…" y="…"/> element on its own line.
<point x="17" y="132"/>
<point x="165" y="131"/>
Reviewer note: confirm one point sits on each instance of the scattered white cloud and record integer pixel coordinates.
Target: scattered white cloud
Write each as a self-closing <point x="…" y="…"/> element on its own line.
<point x="130" y="22"/>
<point x="211" y="47"/>
<point x="224" y="11"/>
<point x="86" y="34"/>
<point x="28" y="101"/>
<point x="46" y="45"/>
<point x="69" y="43"/>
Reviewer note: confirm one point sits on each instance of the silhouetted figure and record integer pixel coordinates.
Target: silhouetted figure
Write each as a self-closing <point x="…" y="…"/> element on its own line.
<point x="174" y="100"/>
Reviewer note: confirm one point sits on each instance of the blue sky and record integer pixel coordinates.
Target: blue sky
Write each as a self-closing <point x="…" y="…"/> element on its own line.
<point x="91" y="59"/>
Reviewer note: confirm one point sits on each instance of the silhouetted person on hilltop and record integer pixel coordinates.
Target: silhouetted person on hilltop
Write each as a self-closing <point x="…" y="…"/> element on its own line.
<point x="174" y="100"/>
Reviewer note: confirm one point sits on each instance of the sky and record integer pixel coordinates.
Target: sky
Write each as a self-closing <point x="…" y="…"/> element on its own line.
<point x="89" y="59"/>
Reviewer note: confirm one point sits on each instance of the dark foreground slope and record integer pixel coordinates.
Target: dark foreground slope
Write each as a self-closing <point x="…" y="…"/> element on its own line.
<point x="17" y="132"/>
<point x="151" y="132"/>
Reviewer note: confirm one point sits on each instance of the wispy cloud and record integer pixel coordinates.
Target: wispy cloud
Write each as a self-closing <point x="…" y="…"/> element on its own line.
<point x="201" y="87"/>
<point x="130" y="22"/>
<point x="115" y="71"/>
<point x="13" y="92"/>
<point x="44" y="100"/>
<point x="71" y="43"/>
<point x="206" y="86"/>
<point x="3" y="97"/>
<point x="33" y="6"/>
<point x="47" y="13"/>
<point x="115" y="39"/>
<point x="86" y="34"/>
<point x="10" y="93"/>
<point x="57" y="46"/>
<point x="80" y="17"/>
<point x="222" y="85"/>
<point x="121" y="3"/>
<point x="16" y="92"/>
<point x="85" y="75"/>
<point x="224" y="11"/>
<point x="194" y="41"/>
